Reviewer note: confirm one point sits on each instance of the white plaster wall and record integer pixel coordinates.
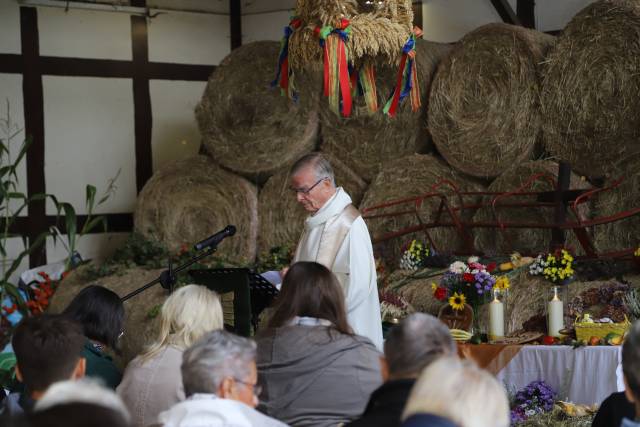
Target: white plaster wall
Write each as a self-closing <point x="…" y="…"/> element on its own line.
<point x="554" y="15"/>
<point x="14" y="246"/>
<point x="264" y="26"/>
<point x="9" y="27"/>
<point x="91" y="246"/>
<point x="175" y="132"/>
<point x="84" y="33"/>
<point x="89" y="133"/>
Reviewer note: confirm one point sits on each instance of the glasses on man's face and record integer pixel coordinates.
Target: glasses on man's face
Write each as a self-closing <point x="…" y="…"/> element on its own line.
<point x="305" y="191"/>
<point x="257" y="389"/>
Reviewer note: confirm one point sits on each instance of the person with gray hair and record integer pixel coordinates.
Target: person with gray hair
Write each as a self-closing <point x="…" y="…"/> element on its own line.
<point x="631" y="372"/>
<point x="336" y="236"/>
<point x="410" y="347"/>
<point x="220" y="381"/>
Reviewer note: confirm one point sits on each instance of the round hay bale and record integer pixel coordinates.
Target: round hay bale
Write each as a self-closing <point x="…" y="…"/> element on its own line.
<point x="484" y="111"/>
<point x="282" y="217"/>
<point x="590" y="101"/>
<point x="623" y="234"/>
<point x="417" y="292"/>
<point x="140" y="329"/>
<point x="189" y="200"/>
<point x="408" y="177"/>
<point x="246" y="125"/>
<point x="367" y="141"/>
<point x="524" y="240"/>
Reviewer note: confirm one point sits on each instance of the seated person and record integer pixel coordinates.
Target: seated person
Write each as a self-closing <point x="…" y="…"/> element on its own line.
<point x="152" y="382"/>
<point x="77" y="404"/>
<point x="101" y="314"/>
<point x="613" y="410"/>
<point x="455" y="393"/>
<point x="631" y="371"/>
<point x="314" y="370"/>
<point x="220" y="381"/>
<point x="410" y="346"/>
<point x="48" y="349"/>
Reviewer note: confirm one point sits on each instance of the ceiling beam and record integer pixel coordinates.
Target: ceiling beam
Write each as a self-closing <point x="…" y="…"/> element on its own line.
<point x="506" y="12"/>
<point x="525" y="10"/>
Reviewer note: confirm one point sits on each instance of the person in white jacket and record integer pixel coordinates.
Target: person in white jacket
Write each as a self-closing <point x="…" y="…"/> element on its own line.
<point x="220" y="381"/>
<point x="336" y="236"/>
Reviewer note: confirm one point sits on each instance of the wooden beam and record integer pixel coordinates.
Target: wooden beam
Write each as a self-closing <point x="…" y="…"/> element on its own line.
<point x="506" y="12"/>
<point x="417" y="13"/>
<point x="10" y="63"/>
<point x="235" y="21"/>
<point x="526" y="11"/>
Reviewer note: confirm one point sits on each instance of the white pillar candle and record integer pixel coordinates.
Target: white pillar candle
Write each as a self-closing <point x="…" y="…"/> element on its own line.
<point x="496" y="319"/>
<point x="555" y="315"/>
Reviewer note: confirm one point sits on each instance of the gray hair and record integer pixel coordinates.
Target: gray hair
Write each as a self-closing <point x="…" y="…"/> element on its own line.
<point x="631" y="359"/>
<point x="415" y="343"/>
<point x="216" y="356"/>
<point x="318" y="162"/>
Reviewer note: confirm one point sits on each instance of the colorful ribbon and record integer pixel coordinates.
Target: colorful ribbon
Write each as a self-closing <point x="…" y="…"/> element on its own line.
<point x="284" y="74"/>
<point x="337" y="82"/>
<point x="407" y="80"/>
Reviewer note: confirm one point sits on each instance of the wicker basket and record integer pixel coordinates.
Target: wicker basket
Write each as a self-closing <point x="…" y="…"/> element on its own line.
<point x="586" y="330"/>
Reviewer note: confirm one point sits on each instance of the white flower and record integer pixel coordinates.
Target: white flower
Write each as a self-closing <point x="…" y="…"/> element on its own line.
<point x="473" y="259"/>
<point x="458" y="267"/>
<point x="530" y="412"/>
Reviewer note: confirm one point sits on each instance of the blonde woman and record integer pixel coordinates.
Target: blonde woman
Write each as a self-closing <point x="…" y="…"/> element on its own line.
<point x="152" y="382"/>
<point x="455" y="393"/>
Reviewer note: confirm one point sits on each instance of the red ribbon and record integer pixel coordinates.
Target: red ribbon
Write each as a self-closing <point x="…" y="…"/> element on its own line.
<point x="396" y="92"/>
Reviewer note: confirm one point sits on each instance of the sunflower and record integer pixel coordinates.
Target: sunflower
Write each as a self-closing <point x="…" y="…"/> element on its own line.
<point x="457" y="301"/>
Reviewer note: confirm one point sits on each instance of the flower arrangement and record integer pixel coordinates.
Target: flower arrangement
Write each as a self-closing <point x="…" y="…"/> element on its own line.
<point x="556" y="267"/>
<point x="536" y="398"/>
<point x="414" y="256"/>
<point x="35" y="298"/>
<point x="637" y="252"/>
<point x="465" y="283"/>
<point x="392" y="306"/>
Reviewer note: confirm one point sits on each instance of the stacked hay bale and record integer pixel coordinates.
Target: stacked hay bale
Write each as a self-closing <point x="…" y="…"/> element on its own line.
<point x="282" y="217"/>
<point x="524" y="240"/>
<point x="191" y="199"/>
<point x="246" y="125"/>
<point x="484" y="110"/>
<point x="590" y="101"/>
<point x="366" y="141"/>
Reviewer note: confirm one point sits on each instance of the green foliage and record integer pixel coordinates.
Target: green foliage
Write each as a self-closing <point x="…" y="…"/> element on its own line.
<point x="276" y="259"/>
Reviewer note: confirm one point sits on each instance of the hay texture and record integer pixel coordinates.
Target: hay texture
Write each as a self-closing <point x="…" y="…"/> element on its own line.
<point x="378" y="33"/>
<point x="366" y="141"/>
<point x="590" y="99"/>
<point x="189" y="200"/>
<point x="282" y="217"/>
<point x="246" y="125"/>
<point x="623" y="234"/>
<point x="484" y="110"/>
<point x="412" y="176"/>
<point x="524" y="240"/>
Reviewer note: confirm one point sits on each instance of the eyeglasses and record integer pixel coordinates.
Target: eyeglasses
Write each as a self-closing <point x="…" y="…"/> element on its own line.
<point x="308" y="190"/>
<point x="257" y="389"/>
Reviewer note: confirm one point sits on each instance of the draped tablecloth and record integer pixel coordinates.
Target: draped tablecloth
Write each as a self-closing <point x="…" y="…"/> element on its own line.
<point x="583" y="375"/>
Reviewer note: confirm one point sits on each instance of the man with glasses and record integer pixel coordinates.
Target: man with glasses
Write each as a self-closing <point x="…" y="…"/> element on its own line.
<point x="220" y="381"/>
<point x="336" y="236"/>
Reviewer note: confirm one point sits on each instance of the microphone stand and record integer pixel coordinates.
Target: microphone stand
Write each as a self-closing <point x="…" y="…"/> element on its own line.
<point x="168" y="277"/>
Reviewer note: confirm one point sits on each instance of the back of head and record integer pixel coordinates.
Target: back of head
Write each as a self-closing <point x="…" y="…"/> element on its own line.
<point x="460" y="392"/>
<point x="83" y="394"/>
<point x="78" y="415"/>
<point x="188" y="313"/>
<point x="47" y="350"/>
<point x="415" y="343"/>
<point x="216" y="356"/>
<point x="318" y="162"/>
<point x="631" y="360"/>
<point x="100" y="312"/>
<point x="310" y="289"/>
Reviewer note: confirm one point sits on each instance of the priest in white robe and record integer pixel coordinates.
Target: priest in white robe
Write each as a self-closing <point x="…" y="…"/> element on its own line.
<point x="336" y="236"/>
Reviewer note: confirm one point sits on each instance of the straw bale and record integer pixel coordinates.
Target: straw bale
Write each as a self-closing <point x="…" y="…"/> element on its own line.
<point x="416" y="291"/>
<point x="590" y="101"/>
<point x="191" y="199"/>
<point x="484" y="112"/>
<point x="246" y="125"/>
<point x="282" y="217"/>
<point x="412" y="176"/>
<point x="366" y="141"/>
<point x="524" y="240"/>
<point x="624" y="234"/>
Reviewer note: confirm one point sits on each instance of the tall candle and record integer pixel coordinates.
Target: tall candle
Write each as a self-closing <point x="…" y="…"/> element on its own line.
<point x="496" y="319"/>
<point x="555" y="315"/>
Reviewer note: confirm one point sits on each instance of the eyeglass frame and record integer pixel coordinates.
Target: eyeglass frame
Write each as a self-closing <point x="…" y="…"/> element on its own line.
<point x="257" y="388"/>
<point x="307" y="191"/>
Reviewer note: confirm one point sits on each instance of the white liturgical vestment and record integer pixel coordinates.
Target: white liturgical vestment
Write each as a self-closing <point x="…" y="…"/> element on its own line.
<point x="353" y="263"/>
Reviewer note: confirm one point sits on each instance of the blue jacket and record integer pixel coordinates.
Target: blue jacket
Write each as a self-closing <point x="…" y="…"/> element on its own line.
<point x="427" y="420"/>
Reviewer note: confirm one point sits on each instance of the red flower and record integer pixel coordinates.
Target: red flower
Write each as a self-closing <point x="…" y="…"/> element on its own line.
<point x="468" y="277"/>
<point x="440" y="294"/>
<point x="491" y="267"/>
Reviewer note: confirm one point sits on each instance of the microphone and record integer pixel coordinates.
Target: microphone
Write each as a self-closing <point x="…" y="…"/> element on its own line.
<point x="215" y="239"/>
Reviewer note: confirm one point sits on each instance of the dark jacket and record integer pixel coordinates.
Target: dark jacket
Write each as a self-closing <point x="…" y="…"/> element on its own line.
<point x="612" y="410"/>
<point x="100" y="365"/>
<point x="386" y="404"/>
<point x="427" y="420"/>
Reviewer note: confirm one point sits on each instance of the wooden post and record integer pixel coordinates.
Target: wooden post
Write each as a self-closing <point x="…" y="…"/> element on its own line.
<point x="560" y="210"/>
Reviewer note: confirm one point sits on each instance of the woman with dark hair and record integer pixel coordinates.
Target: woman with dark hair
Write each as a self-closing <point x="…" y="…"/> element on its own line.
<point x="312" y="368"/>
<point x="101" y="314"/>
